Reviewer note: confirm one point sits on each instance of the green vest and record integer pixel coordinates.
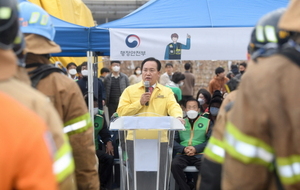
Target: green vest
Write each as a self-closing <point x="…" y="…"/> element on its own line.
<point x="98" y="125"/>
<point x="197" y="134"/>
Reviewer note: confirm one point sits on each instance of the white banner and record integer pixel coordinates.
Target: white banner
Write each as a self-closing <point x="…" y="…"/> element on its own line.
<point x="191" y="44"/>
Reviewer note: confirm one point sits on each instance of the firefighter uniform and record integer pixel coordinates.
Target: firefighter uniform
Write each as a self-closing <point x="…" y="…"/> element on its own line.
<point x="67" y="98"/>
<point x="25" y="158"/>
<point x="261" y="138"/>
<point x="63" y="92"/>
<point x="211" y="167"/>
<point x="37" y="102"/>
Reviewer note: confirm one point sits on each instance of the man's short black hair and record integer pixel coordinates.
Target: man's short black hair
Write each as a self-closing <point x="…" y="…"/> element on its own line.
<point x="84" y="64"/>
<point x="169" y="64"/>
<point x="219" y="70"/>
<point x="152" y="59"/>
<point x="104" y="70"/>
<point x="71" y="64"/>
<point x="192" y="99"/>
<point x="177" y="76"/>
<point x="187" y="66"/>
<point x="115" y="61"/>
<point x="217" y="100"/>
<point x="243" y="64"/>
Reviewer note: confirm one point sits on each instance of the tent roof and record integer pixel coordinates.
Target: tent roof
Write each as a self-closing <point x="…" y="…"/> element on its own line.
<point x="71" y="37"/>
<point x="197" y="14"/>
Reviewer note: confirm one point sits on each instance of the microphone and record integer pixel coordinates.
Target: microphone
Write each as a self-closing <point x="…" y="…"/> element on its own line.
<point x="147" y="85"/>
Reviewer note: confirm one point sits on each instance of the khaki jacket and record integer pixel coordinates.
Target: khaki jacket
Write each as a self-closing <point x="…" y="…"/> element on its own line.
<point x="264" y="128"/>
<point x="40" y="104"/>
<point x="67" y="98"/>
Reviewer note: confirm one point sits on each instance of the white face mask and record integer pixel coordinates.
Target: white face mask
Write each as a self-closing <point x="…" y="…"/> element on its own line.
<point x="72" y="72"/>
<point x="95" y="111"/>
<point x="181" y="83"/>
<point x="84" y="73"/>
<point x="192" y="114"/>
<point x="116" y="68"/>
<point x="201" y="101"/>
<point x="138" y="72"/>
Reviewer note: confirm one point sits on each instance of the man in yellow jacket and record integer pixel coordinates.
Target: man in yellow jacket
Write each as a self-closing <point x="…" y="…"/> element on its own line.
<point x="62" y="91"/>
<point x="159" y="101"/>
<point x="262" y="138"/>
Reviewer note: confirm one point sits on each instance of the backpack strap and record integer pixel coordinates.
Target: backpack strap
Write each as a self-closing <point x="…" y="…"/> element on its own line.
<point x="291" y="50"/>
<point x="42" y="71"/>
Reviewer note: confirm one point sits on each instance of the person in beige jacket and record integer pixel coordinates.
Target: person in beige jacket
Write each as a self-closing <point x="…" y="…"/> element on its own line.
<point x="261" y="137"/>
<point x="63" y="163"/>
<point x="62" y="91"/>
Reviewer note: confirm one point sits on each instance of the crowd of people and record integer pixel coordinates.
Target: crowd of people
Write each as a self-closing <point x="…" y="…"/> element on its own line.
<point x="240" y="133"/>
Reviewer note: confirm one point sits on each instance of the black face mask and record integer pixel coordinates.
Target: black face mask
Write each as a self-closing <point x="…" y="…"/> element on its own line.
<point x="242" y="72"/>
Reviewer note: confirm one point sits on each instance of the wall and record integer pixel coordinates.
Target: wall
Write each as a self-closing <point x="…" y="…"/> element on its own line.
<point x="204" y="71"/>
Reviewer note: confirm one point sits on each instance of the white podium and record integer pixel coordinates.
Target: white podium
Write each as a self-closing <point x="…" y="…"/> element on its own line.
<point x="145" y="150"/>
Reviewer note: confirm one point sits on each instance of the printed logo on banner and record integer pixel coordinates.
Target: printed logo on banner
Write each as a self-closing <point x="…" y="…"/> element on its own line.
<point x="132" y="41"/>
<point x="135" y="41"/>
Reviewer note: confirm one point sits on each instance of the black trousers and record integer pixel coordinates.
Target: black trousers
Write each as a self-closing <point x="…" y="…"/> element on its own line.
<point x="112" y="108"/>
<point x="177" y="166"/>
<point x="106" y="163"/>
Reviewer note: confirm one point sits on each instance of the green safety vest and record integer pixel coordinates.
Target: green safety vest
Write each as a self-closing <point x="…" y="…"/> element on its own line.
<point x="197" y="134"/>
<point x="98" y="125"/>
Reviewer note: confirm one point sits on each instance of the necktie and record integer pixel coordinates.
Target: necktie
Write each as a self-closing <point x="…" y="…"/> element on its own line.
<point x="150" y="89"/>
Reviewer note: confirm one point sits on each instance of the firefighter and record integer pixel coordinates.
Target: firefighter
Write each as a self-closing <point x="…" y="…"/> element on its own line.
<point x="62" y="91"/>
<point x="31" y="98"/>
<point x="261" y="136"/>
<point x="25" y="157"/>
<point x="258" y="50"/>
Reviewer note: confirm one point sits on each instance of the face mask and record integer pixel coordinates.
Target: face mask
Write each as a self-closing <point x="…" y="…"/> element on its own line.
<point x="181" y="83"/>
<point x="72" y="71"/>
<point x="242" y="72"/>
<point x="95" y="111"/>
<point x="214" y="111"/>
<point x="84" y="73"/>
<point x="192" y="114"/>
<point x="201" y="101"/>
<point x="138" y="72"/>
<point x="116" y="68"/>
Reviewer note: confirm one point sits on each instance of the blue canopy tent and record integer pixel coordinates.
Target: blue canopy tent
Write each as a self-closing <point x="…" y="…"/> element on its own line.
<point x="197" y="13"/>
<point x="76" y="40"/>
<point x="73" y="39"/>
<point x="162" y="14"/>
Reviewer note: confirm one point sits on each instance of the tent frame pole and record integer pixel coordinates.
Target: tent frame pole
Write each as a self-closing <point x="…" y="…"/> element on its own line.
<point x="90" y="85"/>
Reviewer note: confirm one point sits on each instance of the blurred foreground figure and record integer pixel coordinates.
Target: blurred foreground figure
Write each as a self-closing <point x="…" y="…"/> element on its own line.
<point x="62" y="91"/>
<point x="25" y="158"/>
<point x="262" y="148"/>
<point x="11" y="39"/>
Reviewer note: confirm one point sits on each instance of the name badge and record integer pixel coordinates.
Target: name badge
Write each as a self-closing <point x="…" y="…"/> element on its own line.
<point x="160" y="96"/>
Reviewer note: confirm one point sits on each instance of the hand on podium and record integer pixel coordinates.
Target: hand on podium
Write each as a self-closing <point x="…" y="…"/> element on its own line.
<point x="181" y="120"/>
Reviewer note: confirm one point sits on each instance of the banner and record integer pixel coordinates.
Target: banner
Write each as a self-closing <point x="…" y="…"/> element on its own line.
<point x="180" y="43"/>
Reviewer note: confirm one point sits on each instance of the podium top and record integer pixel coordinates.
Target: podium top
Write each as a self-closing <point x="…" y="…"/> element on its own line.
<point x="134" y="122"/>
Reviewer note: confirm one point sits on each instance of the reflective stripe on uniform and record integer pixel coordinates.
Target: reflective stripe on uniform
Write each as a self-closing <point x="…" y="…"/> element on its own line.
<point x="247" y="149"/>
<point x="64" y="164"/>
<point x="214" y="150"/>
<point x="78" y="125"/>
<point x="289" y="169"/>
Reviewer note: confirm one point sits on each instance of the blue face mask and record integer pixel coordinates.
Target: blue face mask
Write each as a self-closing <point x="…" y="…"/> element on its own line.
<point x="214" y="111"/>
